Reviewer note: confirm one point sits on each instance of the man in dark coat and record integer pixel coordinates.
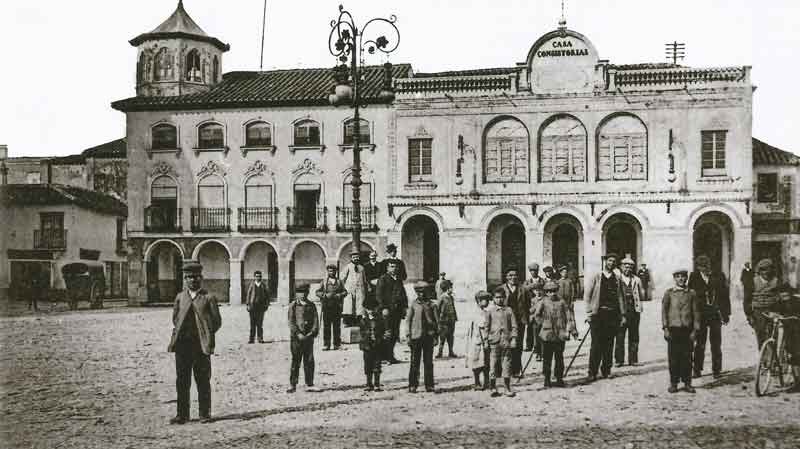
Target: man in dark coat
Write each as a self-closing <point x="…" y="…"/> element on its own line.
<point x="391" y="250"/>
<point x="372" y="271"/>
<point x="257" y="304"/>
<point x="644" y="276"/>
<point x="746" y="278"/>
<point x="196" y="318"/>
<point x="712" y="293"/>
<point x="519" y="301"/>
<point x="392" y="303"/>
<point x="605" y="312"/>
<point x="303" y="329"/>
<point x="331" y="293"/>
<point x="421" y="330"/>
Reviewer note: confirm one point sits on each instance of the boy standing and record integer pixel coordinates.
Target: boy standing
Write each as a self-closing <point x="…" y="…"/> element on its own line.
<point x="446" y="318"/>
<point x="557" y="324"/>
<point x="477" y="354"/>
<point x="372" y="329"/>
<point x="680" y="319"/>
<point x="421" y="330"/>
<point x="303" y="329"/>
<point x="500" y="330"/>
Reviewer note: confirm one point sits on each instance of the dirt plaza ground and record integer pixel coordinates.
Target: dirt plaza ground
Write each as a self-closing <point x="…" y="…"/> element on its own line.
<point x="102" y="379"/>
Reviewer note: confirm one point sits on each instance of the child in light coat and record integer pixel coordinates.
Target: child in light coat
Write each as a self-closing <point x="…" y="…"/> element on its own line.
<point x="477" y="355"/>
<point x="557" y="324"/>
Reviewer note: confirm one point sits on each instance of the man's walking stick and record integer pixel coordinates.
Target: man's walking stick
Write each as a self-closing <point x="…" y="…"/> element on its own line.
<point x="526" y="367"/>
<point x="577" y="351"/>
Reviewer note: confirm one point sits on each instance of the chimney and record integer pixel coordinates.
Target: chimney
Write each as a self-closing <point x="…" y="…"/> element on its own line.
<point x="3" y="151"/>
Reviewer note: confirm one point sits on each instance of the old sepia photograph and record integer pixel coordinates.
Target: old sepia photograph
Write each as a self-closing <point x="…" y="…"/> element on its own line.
<point x="442" y="224"/>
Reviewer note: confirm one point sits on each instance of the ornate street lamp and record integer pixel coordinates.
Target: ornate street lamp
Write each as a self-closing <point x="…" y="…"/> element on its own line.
<point x="347" y="43"/>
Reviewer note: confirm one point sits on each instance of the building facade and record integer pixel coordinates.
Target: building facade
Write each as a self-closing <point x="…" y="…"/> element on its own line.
<point x="557" y="159"/>
<point x="776" y="210"/>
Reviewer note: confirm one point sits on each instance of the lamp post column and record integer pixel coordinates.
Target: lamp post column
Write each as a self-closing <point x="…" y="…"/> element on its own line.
<point x="356" y="172"/>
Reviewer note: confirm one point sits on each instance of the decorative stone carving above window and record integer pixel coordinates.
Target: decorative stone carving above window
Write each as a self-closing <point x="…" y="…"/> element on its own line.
<point x="258" y="168"/>
<point x="307" y="167"/>
<point x="163" y="168"/>
<point x="211" y="168"/>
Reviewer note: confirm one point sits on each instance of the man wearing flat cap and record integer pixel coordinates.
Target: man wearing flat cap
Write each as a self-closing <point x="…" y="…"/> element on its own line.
<point x="605" y="312"/>
<point x="331" y="293"/>
<point x="633" y="295"/>
<point x="531" y="331"/>
<point x="196" y="318"/>
<point x="392" y="304"/>
<point x="765" y="298"/>
<point x="680" y="321"/>
<point x="303" y="329"/>
<point x="421" y="332"/>
<point x="355" y="282"/>
<point x="711" y="289"/>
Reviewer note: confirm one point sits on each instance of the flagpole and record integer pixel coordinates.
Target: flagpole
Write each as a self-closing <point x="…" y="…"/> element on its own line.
<point x="263" y="27"/>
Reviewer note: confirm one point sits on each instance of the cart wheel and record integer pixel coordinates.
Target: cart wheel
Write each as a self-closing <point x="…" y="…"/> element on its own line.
<point x="766" y="365"/>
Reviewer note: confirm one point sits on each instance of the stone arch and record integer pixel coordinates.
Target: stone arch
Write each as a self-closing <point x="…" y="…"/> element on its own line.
<point x="612" y="239"/>
<point x="149" y="251"/>
<point x="487" y="130"/>
<point x="163" y="262"/>
<point x="634" y="211"/>
<point x="420" y="247"/>
<point x="200" y="245"/>
<point x="294" y="246"/>
<point x="419" y="210"/>
<point x="372" y="246"/>
<point x="267" y="264"/>
<point x="509" y="209"/>
<point x="713" y="235"/>
<point x="247" y="244"/>
<point x="726" y="209"/>
<point x="505" y="239"/>
<point x="572" y="211"/>
<point x="564" y="245"/>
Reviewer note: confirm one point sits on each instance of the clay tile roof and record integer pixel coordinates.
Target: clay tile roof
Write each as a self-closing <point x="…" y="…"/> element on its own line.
<point x="57" y="194"/>
<point x="109" y="150"/>
<point x="473" y="72"/>
<point x="179" y="25"/>
<point x="765" y="154"/>
<point x="293" y="87"/>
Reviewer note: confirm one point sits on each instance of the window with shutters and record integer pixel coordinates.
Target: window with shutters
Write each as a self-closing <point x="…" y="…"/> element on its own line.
<point x="767" y="188"/>
<point x="257" y="193"/>
<point x="562" y="150"/>
<point x="306" y="133"/>
<point x="164" y="137"/>
<point x="419" y="160"/>
<point x="713" y="153"/>
<point x="211" y="192"/>
<point x="258" y="134"/>
<point x="622" y="149"/>
<point x="210" y="135"/>
<point x="505" y="156"/>
<point x="363" y="132"/>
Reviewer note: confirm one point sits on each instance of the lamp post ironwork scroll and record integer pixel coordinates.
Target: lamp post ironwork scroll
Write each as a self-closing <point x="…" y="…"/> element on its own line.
<point x="347" y="43"/>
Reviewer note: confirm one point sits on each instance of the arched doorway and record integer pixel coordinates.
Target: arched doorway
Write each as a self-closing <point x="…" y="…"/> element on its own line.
<point x="216" y="269"/>
<point x="713" y="236"/>
<point x="308" y="265"/>
<point x="563" y="243"/>
<point x="505" y="248"/>
<point x="260" y="256"/>
<point x="420" y="250"/>
<point x="164" y="277"/>
<point x="622" y="234"/>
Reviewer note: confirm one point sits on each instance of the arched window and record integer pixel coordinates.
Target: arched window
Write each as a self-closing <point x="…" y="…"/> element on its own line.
<point x="363" y="132"/>
<point x="162" y="189"/>
<point x="215" y="70"/>
<point x="622" y="148"/>
<point x="140" y="69"/>
<point x="164" y="137"/>
<point x="210" y="135"/>
<point x="505" y="155"/>
<point x="258" y="134"/>
<point x="562" y="150"/>
<point x="306" y="132"/>
<point x="163" y="66"/>
<point x="163" y="211"/>
<point x="211" y="192"/>
<point x="193" y="70"/>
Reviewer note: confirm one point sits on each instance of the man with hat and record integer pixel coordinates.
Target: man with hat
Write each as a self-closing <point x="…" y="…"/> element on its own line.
<point x="644" y="276"/>
<point x="605" y="312"/>
<point x="531" y="332"/>
<point x="257" y="304"/>
<point x="303" y="329"/>
<point x="712" y="292"/>
<point x="391" y="250"/>
<point x="550" y="274"/>
<point x="633" y="295"/>
<point x="196" y="319"/>
<point x="518" y="300"/>
<point x="355" y="282"/>
<point x="421" y="331"/>
<point x="566" y="286"/>
<point x="392" y="303"/>
<point x="372" y="271"/>
<point x="331" y="293"/>
<point x="765" y="298"/>
<point x="680" y="320"/>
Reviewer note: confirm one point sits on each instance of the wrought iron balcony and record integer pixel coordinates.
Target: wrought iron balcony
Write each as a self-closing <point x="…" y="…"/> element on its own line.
<point x="211" y="219"/>
<point x="162" y="219"/>
<point x="345" y="215"/>
<point x="307" y="219"/>
<point x="254" y="219"/>
<point x="50" y="239"/>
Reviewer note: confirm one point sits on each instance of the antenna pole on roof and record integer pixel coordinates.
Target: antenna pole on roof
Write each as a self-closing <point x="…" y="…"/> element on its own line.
<point x="263" y="27"/>
<point x="563" y="22"/>
<point x="675" y="50"/>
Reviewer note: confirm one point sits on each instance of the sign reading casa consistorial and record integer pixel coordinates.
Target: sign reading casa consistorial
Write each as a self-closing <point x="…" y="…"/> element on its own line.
<point x="563" y="61"/>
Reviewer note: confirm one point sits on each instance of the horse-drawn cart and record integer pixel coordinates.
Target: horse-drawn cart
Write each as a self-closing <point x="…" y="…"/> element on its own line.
<point x="84" y="282"/>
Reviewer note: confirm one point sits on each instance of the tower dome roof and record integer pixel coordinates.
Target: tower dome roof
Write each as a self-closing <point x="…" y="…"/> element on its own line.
<point x="179" y="25"/>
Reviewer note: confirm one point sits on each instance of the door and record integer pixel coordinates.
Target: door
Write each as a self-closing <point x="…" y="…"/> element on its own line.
<point x="305" y="201"/>
<point x="512" y="243"/>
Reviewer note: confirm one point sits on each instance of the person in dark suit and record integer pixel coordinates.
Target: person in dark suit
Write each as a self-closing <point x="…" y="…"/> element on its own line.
<point x="746" y="278"/>
<point x="680" y="320"/>
<point x="421" y="331"/>
<point x="391" y="250"/>
<point x="331" y="293"/>
<point x="605" y="312"/>
<point x="712" y="292"/>
<point x="519" y="301"/>
<point x="257" y="304"/>
<point x="196" y="318"/>
<point x="392" y="303"/>
<point x="372" y="271"/>
<point x="303" y="329"/>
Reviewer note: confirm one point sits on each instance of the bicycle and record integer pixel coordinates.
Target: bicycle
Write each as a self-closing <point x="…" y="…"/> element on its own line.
<point x="773" y="359"/>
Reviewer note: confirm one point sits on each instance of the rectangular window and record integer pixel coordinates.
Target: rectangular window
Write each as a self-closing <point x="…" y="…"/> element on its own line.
<point x="363" y="132"/>
<point x="713" y="153"/>
<point x="306" y="134"/>
<point x="258" y="135"/>
<point x="767" y="188"/>
<point x="506" y="159"/>
<point x="165" y="137"/>
<point x="212" y="136"/>
<point x="622" y="156"/>
<point x="52" y="221"/>
<point x="563" y="158"/>
<point x="419" y="160"/>
<point x="120" y="234"/>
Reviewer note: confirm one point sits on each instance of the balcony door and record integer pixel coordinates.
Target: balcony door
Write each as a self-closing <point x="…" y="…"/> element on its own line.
<point x="164" y="203"/>
<point x="306" y="202"/>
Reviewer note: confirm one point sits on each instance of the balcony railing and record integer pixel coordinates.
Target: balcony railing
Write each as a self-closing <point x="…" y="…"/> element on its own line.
<point x="49" y="239"/>
<point x="211" y="219"/>
<point x="162" y="219"/>
<point x="307" y="219"/>
<point x="252" y="219"/>
<point x="345" y="215"/>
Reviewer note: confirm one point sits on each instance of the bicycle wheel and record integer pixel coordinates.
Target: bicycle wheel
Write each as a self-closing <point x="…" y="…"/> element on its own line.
<point x="764" y="370"/>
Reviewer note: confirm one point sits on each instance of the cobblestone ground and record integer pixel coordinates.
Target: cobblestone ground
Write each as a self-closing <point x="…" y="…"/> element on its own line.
<point x="103" y="379"/>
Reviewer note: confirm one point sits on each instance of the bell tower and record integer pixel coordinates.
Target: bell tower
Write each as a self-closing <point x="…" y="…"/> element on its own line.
<point x="177" y="58"/>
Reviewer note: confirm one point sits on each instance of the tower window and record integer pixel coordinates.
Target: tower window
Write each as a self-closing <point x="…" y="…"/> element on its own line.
<point x="193" y="68"/>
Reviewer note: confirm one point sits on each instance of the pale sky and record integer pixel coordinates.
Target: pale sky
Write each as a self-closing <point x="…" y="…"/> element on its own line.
<point x="64" y="62"/>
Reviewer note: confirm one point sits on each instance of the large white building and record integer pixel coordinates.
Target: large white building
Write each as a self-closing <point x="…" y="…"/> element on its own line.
<point x="556" y="159"/>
